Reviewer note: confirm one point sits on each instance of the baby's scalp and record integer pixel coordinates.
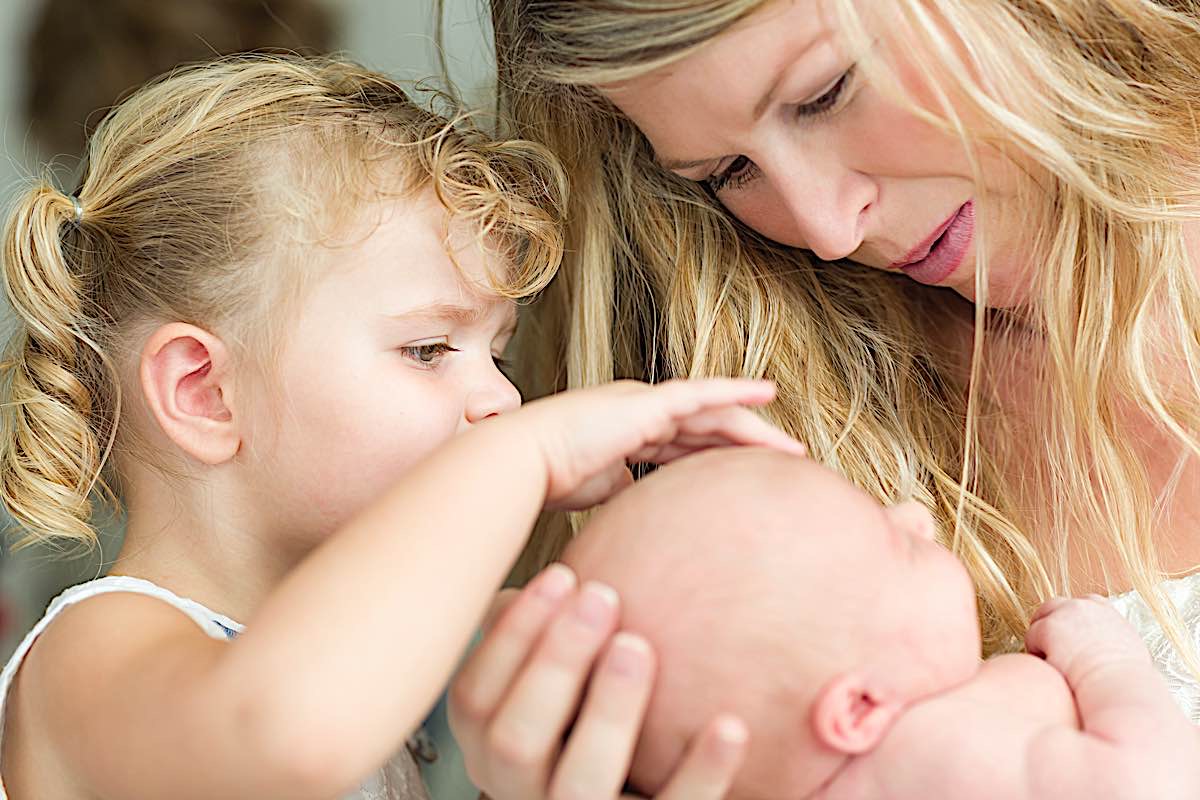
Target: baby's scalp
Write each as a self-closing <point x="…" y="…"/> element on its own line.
<point x="723" y="562"/>
<point x="201" y="201"/>
<point x="772" y="588"/>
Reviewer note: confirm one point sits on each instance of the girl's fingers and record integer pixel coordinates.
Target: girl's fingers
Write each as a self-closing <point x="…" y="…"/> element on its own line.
<point x="712" y="392"/>
<point x="600" y="748"/>
<point x="717" y="428"/>
<point x="737" y="425"/>
<point x="596" y="489"/>
<point x="711" y="764"/>
<point x="484" y="679"/>
<point x="526" y="735"/>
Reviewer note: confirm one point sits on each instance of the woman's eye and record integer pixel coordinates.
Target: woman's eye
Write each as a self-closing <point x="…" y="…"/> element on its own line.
<point x="739" y="172"/>
<point x="427" y="354"/>
<point x="829" y="99"/>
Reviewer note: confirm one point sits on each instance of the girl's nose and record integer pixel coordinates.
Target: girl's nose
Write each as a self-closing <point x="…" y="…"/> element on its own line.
<point x="496" y="396"/>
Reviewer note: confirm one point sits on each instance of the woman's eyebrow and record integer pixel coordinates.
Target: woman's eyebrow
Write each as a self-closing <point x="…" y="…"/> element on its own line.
<point x="674" y="164"/>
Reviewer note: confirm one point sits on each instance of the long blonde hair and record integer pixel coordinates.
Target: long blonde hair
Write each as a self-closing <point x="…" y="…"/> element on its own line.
<point x="200" y="194"/>
<point x="660" y="281"/>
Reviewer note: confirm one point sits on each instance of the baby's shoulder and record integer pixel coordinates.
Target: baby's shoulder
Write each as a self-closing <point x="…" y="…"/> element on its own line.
<point x="1032" y="679"/>
<point x="942" y="747"/>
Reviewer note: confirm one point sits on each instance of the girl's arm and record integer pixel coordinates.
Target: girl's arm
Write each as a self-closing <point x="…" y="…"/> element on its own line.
<point x="345" y="657"/>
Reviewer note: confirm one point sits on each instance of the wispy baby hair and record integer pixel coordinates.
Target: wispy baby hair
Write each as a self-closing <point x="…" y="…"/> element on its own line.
<point x="200" y="191"/>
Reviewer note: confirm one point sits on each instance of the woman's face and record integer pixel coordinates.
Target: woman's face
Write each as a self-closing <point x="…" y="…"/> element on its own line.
<point x="775" y="118"/>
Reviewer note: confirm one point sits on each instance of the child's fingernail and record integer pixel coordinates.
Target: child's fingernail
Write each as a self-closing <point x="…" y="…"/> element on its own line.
<point x="555" y="582"/>
<point x="596" y="604"/>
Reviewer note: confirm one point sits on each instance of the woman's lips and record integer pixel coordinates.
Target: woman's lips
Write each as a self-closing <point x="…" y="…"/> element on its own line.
<point x="936" y="258"/>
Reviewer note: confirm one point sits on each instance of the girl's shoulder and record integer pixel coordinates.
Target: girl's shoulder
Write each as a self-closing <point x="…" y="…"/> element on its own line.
<point x="65" y="677"/>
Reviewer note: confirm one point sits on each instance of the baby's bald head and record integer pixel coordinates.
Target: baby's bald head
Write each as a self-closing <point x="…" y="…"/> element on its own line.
<point x="772" y="588"/>
<point x="720" y="560"/>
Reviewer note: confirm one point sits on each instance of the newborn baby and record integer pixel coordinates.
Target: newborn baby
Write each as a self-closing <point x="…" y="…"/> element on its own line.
<point x="847" y="639"/>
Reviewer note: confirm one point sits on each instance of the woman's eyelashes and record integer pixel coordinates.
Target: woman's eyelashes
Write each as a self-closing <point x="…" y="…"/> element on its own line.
<point x="742" y="170"/>
<point x="828" y="101"/>
<point x="739" y="172"/>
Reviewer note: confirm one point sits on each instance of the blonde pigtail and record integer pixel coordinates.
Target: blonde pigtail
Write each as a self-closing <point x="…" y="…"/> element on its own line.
<point x="54" y="446"/>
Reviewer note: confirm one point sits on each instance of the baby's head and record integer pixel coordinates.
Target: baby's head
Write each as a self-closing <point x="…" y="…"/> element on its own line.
<point x="277" y="275"/>
<point x="772" y="588"/>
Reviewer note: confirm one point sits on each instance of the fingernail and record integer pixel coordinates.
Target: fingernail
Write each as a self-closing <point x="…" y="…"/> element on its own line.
<point x="555" y="582"/>
<point x="731" y="730"/>
<point x="596" y="604"/>
<point x="630" y="655"/>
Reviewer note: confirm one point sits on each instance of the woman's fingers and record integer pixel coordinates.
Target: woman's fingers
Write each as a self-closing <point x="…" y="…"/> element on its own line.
<point x="484" y="679"/>
<point x="711" y="764"/>
<point x="597" y="756"/>
<point x="526" y="734"/>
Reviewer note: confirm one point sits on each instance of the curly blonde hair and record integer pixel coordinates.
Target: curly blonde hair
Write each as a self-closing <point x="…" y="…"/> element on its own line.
<point x="200" y="195"/>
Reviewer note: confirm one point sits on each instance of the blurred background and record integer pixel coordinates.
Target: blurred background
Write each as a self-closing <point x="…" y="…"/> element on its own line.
<point x="63" y="63"/>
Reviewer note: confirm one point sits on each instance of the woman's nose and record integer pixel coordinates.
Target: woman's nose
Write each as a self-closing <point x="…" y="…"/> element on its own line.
<point x="826" y="202"/>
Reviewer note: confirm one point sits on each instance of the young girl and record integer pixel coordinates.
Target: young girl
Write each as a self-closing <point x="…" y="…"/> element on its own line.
<point x="270" y="322"/>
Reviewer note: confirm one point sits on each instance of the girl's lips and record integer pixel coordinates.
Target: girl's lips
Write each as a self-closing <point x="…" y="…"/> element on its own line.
<point x="943" y="252"/>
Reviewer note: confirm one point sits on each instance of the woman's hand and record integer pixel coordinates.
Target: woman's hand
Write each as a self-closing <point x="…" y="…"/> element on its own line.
<point x="588" y="436"/>
<point x="520" y="690"/>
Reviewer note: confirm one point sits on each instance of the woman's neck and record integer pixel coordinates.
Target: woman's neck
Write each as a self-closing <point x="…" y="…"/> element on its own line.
<point x="1173" y="476"/>
<point x="201" y="540"/>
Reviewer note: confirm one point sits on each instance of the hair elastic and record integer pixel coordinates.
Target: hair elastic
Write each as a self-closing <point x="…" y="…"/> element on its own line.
<point x="78" y="206"/>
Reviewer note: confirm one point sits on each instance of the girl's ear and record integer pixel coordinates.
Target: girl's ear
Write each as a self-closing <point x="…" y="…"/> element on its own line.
<point x="187" y="380"/>
<point x="850" y="715"/>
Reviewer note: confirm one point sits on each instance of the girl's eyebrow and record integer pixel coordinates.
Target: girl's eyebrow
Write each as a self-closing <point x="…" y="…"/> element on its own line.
<point x="463" y="315"/>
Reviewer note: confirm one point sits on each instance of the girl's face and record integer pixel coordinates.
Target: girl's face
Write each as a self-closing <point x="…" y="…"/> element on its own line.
<point x="395" y="351"/>
<point x="775" y="118"/>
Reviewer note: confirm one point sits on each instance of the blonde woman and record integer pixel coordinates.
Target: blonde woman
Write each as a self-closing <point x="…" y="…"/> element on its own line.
<point x="1008" y="328"/>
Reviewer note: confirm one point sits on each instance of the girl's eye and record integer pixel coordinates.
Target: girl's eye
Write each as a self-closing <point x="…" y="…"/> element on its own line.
<point x="427" y="355"/>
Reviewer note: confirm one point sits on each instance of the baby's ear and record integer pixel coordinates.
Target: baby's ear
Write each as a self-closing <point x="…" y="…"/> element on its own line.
<point x="187" y="380"/>
<point x="850" y="715"/>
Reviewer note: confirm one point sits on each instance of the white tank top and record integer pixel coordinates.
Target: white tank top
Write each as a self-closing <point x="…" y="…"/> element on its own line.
<point x="400" y="779"/>
<point x="1184" y="593"/>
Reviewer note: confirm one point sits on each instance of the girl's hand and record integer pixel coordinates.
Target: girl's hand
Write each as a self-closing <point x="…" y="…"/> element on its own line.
<point x="588" y="436"/>
<point x="521" y="689"/>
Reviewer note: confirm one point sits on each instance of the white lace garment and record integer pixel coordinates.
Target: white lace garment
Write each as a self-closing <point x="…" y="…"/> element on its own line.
<point x="1185" y="594"/>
